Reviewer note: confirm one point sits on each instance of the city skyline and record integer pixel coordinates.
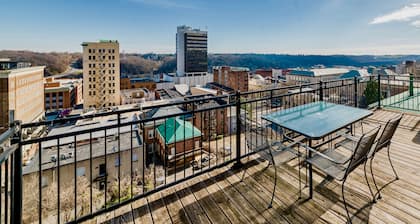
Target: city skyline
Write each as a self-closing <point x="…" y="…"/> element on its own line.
<point x="269" y="26"/>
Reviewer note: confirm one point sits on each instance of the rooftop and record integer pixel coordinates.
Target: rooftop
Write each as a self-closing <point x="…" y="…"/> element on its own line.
<point x="20" y="71"/>
<point x="319" y="72"/>
<point x="175" y="130"/>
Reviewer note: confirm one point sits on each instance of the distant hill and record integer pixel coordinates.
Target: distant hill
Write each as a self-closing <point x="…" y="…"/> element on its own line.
<point x="55" y="62"/>
<point x="166" y="63"/>
<point x="256" y="61"/>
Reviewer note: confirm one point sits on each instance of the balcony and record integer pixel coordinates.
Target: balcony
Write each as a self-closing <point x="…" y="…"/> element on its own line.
<point x="58" y="176"/>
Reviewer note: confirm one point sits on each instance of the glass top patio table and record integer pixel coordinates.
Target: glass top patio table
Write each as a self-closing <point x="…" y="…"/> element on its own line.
<point x="317" y="120"/>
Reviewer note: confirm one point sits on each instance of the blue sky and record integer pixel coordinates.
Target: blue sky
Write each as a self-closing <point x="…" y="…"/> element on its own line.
<point x="234" y="26"/>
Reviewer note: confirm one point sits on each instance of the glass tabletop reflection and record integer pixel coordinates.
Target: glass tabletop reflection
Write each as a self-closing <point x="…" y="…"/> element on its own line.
<point x="318" y="119"/>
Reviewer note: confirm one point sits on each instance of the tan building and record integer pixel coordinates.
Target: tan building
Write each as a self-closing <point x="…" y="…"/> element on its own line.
<point x="21" y="90"/>
<point x="101" y="74"/>
<point x="62" y="93"/>
<point x="232" y="77"/>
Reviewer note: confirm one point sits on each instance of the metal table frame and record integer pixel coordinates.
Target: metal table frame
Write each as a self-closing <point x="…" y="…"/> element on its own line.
<point x="311" y="138"/>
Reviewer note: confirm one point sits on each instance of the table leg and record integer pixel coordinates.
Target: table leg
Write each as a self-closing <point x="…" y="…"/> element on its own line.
<point x="310" y="172"/>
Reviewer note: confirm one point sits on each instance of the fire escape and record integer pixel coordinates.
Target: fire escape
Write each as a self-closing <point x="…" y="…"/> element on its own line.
<point x="103" y="89"/>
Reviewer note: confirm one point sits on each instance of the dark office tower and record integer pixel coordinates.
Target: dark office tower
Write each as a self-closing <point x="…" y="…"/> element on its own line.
<point x="191" y="50"/>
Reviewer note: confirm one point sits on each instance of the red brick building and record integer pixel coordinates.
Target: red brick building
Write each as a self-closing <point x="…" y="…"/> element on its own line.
<point x="233" y="77"/>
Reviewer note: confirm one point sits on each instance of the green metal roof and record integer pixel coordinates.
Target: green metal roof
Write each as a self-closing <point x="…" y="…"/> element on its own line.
<point x="176" y="130"/>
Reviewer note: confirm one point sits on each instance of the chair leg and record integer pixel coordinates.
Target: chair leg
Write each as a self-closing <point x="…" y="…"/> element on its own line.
<point x="275" y="180"/>
<point x="392" y="165"/>
<point x="344" y="201"/>
<point x="368" y="184"/>
<point x="378" y="192"/>
<point x="300" y="181"/>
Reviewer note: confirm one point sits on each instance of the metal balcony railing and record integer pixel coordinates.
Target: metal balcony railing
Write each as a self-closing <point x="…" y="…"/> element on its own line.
<point x="86" y="166"/>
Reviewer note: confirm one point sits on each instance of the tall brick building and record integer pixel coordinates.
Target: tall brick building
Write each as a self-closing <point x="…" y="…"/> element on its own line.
<point x="233" y="77"/>
<point x="101" y="74"/>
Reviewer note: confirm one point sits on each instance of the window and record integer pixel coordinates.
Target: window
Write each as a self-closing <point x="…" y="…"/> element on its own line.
<point x="150" y="134"/>
<point x="173" y="151"/>
<point x="117" y="161"/>
<point x="102" y="169"/>
<point x="134" y="158"/>
<point x="102" y="185"/>
<point x="81" y="171"/>
<point x="94" y="57"/>
<point x="44" y="182"/>
<point x="90" y="51"/>
<point x="90" y="57"/>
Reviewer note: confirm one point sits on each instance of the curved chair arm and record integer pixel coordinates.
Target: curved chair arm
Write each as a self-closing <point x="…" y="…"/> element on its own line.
<point x="324" y="156"/>
<point x="283" y="147"/>
<point x="363" y="122"/>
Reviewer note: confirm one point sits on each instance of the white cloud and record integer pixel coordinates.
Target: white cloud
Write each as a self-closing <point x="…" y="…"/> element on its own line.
<point x="165" y="3"/>
<point x="416" y="23"/>
<point x="404" y="14"/>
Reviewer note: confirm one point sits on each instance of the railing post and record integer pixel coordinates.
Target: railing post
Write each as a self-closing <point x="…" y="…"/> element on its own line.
<point x="411" y="85"/>
<point x="379" y="91"/>
<point x="321" y="91"/>
<point x="16" y="208"/>
<point x="238" y="163"/>
<point x="356" y="94"/>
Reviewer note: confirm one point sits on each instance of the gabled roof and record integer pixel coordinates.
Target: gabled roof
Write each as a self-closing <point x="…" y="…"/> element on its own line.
<point x="176" y="130"/>
<point x="163" y="111"/>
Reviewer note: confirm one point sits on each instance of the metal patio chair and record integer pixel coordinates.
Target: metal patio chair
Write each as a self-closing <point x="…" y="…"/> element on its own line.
<point x="384" y="141"/>
<point x="263" y="140"/>
<point x="339" y="166"/>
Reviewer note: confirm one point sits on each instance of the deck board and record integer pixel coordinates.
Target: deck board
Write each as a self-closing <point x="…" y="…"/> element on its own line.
<point x="220" y="196"/>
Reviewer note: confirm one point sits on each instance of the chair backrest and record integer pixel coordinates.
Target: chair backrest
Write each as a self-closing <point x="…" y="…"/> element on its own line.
<point x="386" y="136"/>
<point x="255" y="134"/>
<point x="362" y="149"/>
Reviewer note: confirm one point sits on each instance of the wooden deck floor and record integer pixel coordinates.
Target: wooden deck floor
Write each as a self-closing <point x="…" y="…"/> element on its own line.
<point x="220" y="196"/>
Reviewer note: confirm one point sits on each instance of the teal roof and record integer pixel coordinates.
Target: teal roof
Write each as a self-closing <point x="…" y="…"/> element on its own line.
<point x="302" y="73"/>
<point x="176" y="130"/>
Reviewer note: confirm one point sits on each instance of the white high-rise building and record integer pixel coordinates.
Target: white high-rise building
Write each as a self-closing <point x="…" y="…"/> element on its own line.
<point x="191" y="50"/>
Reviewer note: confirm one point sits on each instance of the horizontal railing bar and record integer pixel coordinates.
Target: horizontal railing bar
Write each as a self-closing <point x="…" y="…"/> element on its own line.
<point x="102" y="114"/>
<point x="142" y="121"/>
<point x="7" y="152"/>
<point x="7" y="134"/>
